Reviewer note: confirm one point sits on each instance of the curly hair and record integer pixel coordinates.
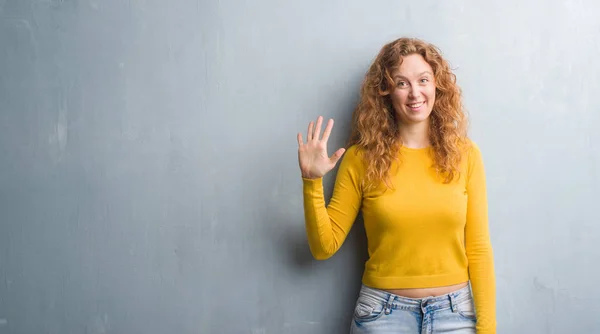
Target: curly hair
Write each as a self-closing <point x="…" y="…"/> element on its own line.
<point x="375" y="129"/>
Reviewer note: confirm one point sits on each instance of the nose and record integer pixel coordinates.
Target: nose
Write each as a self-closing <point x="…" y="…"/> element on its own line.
<point x="413" y="92"/>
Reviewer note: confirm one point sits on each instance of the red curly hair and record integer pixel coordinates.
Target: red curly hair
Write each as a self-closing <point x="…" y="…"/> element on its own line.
<point x="375" y="129"/>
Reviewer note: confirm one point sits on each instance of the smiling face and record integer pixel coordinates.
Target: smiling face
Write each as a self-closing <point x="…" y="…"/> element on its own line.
<point x="413" y="95"/>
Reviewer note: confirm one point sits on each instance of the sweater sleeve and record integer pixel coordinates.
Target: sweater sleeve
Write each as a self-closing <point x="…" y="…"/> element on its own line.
<point x="327" y="226"/>
<point x="478" y="245"/>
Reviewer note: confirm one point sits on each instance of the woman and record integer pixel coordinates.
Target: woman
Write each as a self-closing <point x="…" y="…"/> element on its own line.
<point x="420" y="183"/>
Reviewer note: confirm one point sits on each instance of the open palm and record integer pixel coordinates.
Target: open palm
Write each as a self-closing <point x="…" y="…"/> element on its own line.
<point x="312" y="155"/>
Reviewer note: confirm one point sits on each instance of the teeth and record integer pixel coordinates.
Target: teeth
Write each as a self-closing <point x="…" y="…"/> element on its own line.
<point x="415" y="105"/>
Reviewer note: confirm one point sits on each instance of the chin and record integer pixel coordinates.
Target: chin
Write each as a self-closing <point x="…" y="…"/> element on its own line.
<point x="418" y="118"/>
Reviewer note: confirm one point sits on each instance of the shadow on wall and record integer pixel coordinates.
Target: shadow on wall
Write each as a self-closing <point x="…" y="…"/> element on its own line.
<point x="295" y="245"/>
<point x="350" y="258"/>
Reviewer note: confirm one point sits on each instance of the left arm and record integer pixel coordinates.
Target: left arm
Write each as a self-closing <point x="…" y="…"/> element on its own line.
<point x="478" y="245"/>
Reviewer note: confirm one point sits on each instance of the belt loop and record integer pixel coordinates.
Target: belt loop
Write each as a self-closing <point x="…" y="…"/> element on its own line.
<point x="453" y="302"/>
<point x="388" y="305"/>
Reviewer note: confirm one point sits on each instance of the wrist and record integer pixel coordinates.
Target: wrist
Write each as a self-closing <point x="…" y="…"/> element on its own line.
<point x="310" y="177"/>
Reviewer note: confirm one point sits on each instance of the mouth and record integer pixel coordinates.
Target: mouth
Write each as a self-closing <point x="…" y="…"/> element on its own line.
<point x="415" y="106"/>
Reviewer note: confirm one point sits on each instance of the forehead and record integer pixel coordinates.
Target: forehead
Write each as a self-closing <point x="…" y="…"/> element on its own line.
<point x="412" y="65"/>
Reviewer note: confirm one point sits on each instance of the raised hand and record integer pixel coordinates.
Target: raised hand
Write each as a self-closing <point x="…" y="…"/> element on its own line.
<point x="312" y="155"/>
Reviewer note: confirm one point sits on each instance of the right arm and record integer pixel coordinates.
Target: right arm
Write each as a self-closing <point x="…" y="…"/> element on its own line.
<point x="327" y="226"/>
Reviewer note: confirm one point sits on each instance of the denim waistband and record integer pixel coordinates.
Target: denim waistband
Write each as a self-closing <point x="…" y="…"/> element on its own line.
<point x="449" y="300"/>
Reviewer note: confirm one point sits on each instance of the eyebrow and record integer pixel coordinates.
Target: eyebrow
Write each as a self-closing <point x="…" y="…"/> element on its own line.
<point x="420" y="74"/>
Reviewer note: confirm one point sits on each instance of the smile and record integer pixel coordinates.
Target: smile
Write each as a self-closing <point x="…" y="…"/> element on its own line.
<point x="415" y="105"/>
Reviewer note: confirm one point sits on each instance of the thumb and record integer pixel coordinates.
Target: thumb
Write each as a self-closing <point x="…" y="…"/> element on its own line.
<point x="337" y="155"/>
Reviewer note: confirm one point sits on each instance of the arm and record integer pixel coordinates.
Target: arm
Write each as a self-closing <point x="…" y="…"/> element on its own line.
<point x="478" y="245"/>
<point x="328" y="226"/>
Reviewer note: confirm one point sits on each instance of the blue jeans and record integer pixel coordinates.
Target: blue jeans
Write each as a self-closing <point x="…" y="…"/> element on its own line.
<point x="378" y="311"/>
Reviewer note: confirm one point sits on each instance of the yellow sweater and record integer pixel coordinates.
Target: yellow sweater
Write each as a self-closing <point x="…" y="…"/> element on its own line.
<point x="423" y="234"/>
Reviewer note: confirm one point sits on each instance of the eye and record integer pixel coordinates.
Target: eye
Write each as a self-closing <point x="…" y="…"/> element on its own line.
<point x="424" y="80"/>
<point x="401" y="83"/>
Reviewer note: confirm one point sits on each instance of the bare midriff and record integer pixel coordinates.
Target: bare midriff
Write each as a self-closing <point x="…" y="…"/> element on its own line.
<point x="427" y="292"/>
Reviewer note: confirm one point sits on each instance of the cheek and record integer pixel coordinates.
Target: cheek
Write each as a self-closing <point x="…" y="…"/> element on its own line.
<point x="398" y="98"/>
<point x="431" y="93"/>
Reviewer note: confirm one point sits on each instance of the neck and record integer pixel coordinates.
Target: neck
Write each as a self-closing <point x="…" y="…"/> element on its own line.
<point x="415" y="135"/>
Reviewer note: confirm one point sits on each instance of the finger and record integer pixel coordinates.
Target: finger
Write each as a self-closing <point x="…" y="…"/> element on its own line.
<point x="317" y="133"/>
<point x="337" y="155"/>
<point x="328" y="130"/>
<point x="309" y="135"/>
<point x="299" y="137"/>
